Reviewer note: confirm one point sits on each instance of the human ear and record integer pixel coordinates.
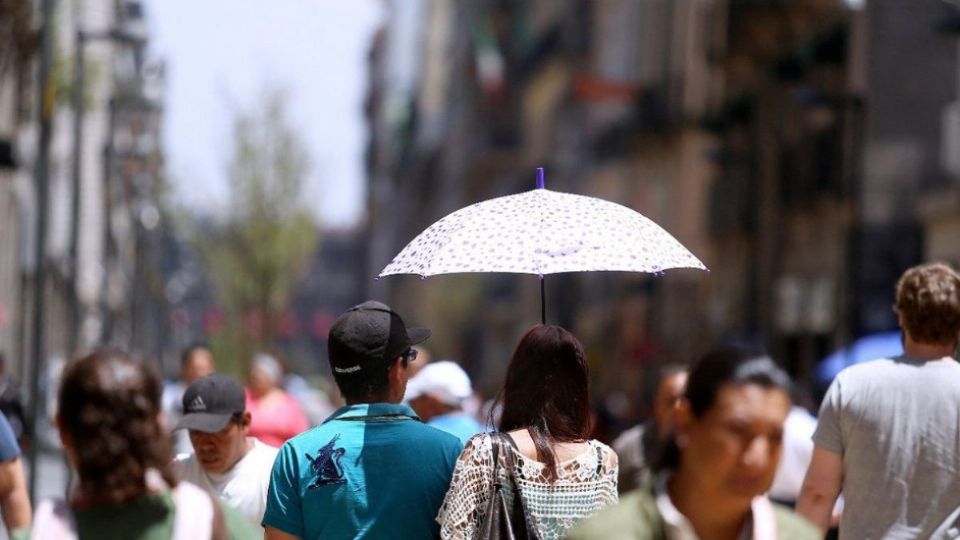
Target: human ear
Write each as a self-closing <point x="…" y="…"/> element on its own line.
<point x="397" y="371"/>
<point x="682" y="421"/>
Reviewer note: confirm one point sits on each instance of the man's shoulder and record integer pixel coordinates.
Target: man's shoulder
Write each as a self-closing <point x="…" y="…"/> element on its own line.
<point x="870" y="367"/>
<point x="429" y="431"/>
<point x="318" y="439"/>
<point x="635" y="516"/>
<point x="431" y="437"/>
<point x="892" y="371"/>
<point x="414" y="431"/>
<point x="264" y="450"/>
<point x="455" y="419"/>
<point x="261" y="456"/>
<point x="870" y="373"/>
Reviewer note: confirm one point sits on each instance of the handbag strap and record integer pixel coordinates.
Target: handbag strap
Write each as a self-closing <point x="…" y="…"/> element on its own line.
<point x="495" y="451"/>
<point x="511" y="465"/>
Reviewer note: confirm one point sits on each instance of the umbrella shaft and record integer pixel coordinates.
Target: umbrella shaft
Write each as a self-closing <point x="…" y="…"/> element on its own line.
<point x="543" y="302"/>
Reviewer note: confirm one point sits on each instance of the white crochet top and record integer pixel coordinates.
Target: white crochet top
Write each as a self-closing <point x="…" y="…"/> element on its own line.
<point x="584" y="485"/>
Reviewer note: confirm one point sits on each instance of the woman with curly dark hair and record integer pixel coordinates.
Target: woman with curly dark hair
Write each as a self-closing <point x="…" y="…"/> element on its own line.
<point x="547" y="457"/>
<point x="108" y="416"/>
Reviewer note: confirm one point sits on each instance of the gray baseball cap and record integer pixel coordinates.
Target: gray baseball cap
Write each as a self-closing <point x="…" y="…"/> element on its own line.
<point x="210" y="402"/>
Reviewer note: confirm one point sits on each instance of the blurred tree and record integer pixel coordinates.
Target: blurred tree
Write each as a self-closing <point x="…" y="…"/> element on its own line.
<point x="257" y="253"/>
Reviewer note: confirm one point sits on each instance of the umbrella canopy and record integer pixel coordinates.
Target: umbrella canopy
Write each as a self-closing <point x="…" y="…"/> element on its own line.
<point x="542" y="232"/>
<point x="869" y="347"/>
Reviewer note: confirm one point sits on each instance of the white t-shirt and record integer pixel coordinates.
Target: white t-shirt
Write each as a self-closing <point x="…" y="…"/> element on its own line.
<point x="797" y="452"/>
<point x="244" y="487"/>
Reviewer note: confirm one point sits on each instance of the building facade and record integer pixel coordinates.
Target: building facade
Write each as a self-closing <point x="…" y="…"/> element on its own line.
<point x="801" y="149"/>
<point x="104" y="177"/>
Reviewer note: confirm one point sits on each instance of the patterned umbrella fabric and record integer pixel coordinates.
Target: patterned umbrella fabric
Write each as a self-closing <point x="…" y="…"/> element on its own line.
<point x="542" y="232"/>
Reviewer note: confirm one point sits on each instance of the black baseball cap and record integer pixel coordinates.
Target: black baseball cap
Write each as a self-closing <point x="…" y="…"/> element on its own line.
<point x="369" y="334"/>
<point x="210" y="402"/>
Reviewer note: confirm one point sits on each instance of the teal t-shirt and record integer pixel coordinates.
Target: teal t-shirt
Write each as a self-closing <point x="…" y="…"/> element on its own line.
<point x="369" y="471"/>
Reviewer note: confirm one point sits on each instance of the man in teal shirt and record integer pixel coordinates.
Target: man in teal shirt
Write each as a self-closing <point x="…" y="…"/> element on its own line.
<point x="373" y="469"/>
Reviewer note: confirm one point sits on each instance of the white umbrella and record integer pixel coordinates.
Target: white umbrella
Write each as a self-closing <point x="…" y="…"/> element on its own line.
<point x="542" y="232"/>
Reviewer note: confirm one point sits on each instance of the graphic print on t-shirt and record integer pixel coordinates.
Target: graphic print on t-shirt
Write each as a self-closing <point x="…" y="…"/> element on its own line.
<point x="327" y="465"/>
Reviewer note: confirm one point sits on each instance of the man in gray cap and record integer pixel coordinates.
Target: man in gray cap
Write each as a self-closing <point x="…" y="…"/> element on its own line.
<point x="373" y="469"/>
<point x="225" y="461"/>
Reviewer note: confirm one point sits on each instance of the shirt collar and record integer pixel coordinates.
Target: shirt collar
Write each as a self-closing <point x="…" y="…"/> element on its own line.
<point x="373" y="409"/>
<point x="678" y="527"/>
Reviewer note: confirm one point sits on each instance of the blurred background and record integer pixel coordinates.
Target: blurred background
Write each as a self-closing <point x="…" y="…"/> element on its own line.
<point x="238" y="172"/>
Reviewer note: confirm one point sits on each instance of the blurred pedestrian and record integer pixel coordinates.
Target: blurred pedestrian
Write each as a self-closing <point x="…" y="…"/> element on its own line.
<point x="14" y="499"/>
<point x="372" y="470"/>
<point x="313" y="400"/>
<point x="275" y="415"/>
<point x="225" y="461"/>
<point x="560" y="475"/>
<point x="718" y="464"/>
<point x="888" y="434"/>
<point x="195" y="361"/>
<point x="795" y="459"/>
<point x="437" y="393"/>
<point x="11" y="402"/>
<point x="637" y="446"/>
<point x="109" y="421"/>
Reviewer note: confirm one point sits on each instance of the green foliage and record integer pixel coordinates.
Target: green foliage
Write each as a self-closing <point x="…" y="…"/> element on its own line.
<point x="256" y="256"/>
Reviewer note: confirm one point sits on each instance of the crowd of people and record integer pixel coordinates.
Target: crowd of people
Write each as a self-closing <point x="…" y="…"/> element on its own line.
<point x="727" y="454"/>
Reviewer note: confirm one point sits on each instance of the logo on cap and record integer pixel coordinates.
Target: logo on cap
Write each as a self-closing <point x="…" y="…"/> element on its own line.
<point x="350" y="369"/>
<point x="197" y="404"/>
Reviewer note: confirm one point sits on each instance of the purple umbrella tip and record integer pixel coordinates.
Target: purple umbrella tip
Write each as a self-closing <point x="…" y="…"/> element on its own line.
<point x="376" y="278"/>
<point x="423" y="278"/>
<point x="540" y="182"/>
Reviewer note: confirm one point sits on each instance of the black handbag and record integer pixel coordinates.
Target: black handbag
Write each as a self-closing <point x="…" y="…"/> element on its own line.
<point x="498" y="522"/>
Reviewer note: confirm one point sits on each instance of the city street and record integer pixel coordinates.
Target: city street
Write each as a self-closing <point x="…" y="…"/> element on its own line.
<point x="199" y="191"/>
